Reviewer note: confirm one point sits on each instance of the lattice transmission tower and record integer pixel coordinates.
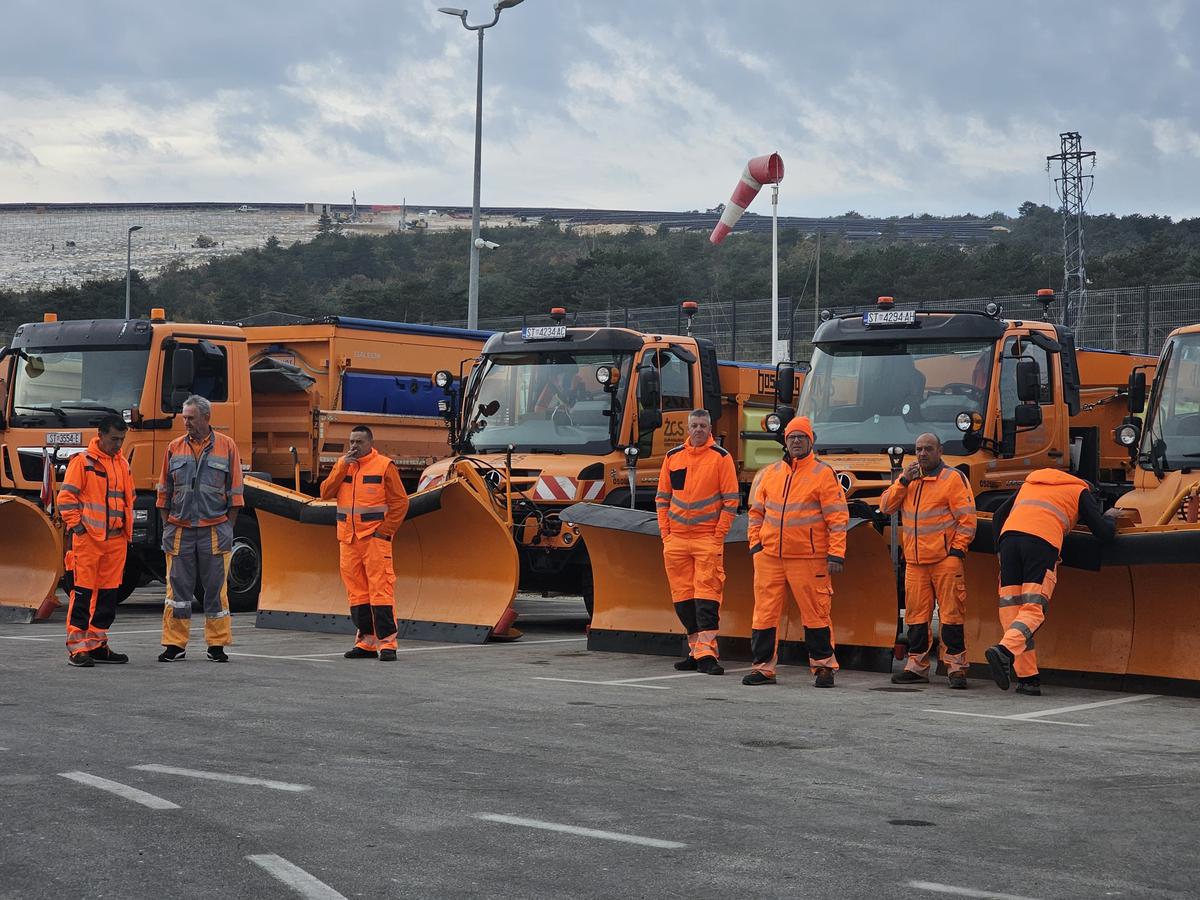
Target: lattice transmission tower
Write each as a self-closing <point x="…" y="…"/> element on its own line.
<point x="1073" y="190"/>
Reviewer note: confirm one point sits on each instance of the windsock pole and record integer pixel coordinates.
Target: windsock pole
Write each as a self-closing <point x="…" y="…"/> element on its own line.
<point x="777" y="354"/>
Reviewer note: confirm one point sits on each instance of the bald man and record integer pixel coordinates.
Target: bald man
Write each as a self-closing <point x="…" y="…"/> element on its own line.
<point x="937" y="523"/>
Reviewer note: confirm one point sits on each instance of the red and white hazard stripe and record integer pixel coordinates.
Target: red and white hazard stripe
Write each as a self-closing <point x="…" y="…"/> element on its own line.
<point x="591" y="490"/>
<point x="554" y="487"/>
<point x="428" y="481"/>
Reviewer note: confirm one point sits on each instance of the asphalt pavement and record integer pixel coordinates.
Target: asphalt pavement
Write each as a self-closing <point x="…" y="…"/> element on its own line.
<point x="539" y="769"/>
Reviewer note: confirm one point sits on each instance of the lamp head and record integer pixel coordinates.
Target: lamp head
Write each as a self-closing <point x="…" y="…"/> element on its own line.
<point x="506" y="4"/>
<point x="451" y="11"/>
<point x="133" y="228"/>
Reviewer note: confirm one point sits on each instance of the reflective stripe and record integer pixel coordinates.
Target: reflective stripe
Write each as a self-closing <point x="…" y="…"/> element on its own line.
<point x="839" y="526"/>
<point x="69" y="506"/>
<point x="734" y="497"/>
<point x="237" y="490"/>
<point x="1017" y="625"/>
<point x="694" y="520"/>
<point x="662" y="495"/>
<point x="1022" y="599"/>
<point x="1050" y="507"/>
<point x="372" y="517"/>
<point x="71" y="488"/>
<point x="695" y="504"/>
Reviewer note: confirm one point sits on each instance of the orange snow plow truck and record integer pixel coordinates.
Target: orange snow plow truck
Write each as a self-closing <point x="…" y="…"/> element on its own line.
<point x="548" y="416"/>
<point x="288" y="394"/>
<point x="1006" y="398"/>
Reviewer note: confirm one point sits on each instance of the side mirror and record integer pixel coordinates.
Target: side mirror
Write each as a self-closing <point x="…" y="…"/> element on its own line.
<point x="1029" y="387"/>
<point x="785" y="384"/>
<point x="1027" y="415"/>
<point x="183" y="369"/>
<point x="1137" y="392"/>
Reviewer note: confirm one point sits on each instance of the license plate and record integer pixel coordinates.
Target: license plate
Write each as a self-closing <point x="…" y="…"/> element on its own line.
<point x="544" y="332"/>
<point x="890" y="317"/>
<point x="64" y="438"/>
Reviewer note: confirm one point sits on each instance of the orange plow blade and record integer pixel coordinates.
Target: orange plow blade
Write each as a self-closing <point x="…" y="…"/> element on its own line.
<point x="455" y="560"/>
<point x="31" y="559"/>
<point x="633" y="612"/>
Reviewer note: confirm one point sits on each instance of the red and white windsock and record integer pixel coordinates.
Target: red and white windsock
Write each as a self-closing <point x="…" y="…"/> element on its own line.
<point x="759" y="171"/>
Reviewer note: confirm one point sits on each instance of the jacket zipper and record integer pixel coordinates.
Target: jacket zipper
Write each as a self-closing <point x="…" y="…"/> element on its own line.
<point x="917" y="523"/>
<point x="787" y="484"/>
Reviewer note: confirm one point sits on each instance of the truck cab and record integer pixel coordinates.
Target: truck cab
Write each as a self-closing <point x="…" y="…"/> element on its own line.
<point x="1005" y="397"/>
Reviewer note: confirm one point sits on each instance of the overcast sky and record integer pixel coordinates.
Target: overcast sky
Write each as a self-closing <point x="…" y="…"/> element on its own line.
<point x="885" y="108"/>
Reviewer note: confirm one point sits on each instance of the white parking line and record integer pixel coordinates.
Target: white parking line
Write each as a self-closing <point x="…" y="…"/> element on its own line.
<point x="466" y="646"/>
<point x="1066" y="709"/>
<point x="1038" y="716"/>
<point x="220" y="776"/>
<point x="269" y="656"/>
<point x="121" y="790"/>
<point x="17" y="637"/>
<point x="582" y="832"/>
<point x="665" y="677"/>
<point x="645" y="687"/>
<point x="295" y="877"/>
<point x="936" y="888"/>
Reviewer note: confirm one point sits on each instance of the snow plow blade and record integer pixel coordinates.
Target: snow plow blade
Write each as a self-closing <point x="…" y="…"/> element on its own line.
<point x="1123" y="615"/>
<point x="455" y="560"/>
<point x="31" y="559"/>
<point x="633" y="611"/>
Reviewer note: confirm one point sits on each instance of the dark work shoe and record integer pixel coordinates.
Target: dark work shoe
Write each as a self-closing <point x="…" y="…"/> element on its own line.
<point x="1031" y="687"/>
<point x="360" y="653"/>
<point x="758" y="678"/>
<point x="907" y="677"/>
<point x="687" y="664"/>
<point x="957" y="680"/>
<point x="172" y="654"/>
<point x="824" y="677"/>
<point x="81" y="660"/>
<point x="710" y="665"/>
<point x="105" y="654"/>
<point x="1000" y="660"/>
<point x="387" y="655"/>
<point x="217" y="654"/>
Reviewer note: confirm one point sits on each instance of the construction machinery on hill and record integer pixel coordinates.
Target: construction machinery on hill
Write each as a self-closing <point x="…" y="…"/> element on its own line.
<point x="287" y="394"/>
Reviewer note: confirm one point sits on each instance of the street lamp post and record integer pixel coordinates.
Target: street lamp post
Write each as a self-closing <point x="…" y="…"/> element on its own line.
<point x="473" y="283"/>
<point x="128" y="258"/>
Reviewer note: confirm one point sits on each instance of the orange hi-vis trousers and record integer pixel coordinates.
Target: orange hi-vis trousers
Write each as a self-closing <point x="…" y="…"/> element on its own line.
<point x="696" y="572"/>
<point x="923" y="585"/>
<point x="1028" y="573"/>
<point x="97" y="568"/>
<point x="370" y="580"/>
<point x="808" y="582"/>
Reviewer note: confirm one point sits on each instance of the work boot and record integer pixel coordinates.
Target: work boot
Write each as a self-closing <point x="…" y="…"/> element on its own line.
<point x="710" y="665"/>
<point x="387" y="655"/>
<point x="173" y="653"/>
<point x="957" y="680"/>
<point x="1000" y="659"/>
<point x="82" y="660"/>
<point x="757" y="677"/>
<point x="1031" y="687"/>
<point x="104" y="654"/>
<point x="909" y="677"/>
<point x="687" y="664"/>
<point x="217" y="654"/>
<point x="824" y="677"/>
<point x="360" y="653"/>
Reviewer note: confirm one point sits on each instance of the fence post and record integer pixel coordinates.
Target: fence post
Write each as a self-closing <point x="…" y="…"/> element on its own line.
<point x="1145" y="318"/>
<point x="627" y="315"/>
<point x="733" y="344"/>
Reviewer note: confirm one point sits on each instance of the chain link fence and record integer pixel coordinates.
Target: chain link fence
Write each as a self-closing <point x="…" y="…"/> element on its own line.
<point x="1135" y="318"/>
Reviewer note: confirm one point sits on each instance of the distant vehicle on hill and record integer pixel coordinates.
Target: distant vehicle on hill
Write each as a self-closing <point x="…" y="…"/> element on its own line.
<point x="245" y="208"/>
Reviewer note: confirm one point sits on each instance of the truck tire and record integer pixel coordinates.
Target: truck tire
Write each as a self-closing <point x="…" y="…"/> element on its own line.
<point x="587" y="590"/>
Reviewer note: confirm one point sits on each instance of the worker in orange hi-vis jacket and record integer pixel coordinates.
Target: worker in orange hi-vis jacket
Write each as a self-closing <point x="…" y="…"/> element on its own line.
<point x="797" y="535"/>
<point x="371" y="504"/>
<point x="1030" y="528"/>
<point x="937" y="523"/>
<point x="697" y="500"/>
<point x="96" y="504"/>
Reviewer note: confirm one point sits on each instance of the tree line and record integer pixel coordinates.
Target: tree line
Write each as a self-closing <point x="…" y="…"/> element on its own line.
<point x="421" y="277"/>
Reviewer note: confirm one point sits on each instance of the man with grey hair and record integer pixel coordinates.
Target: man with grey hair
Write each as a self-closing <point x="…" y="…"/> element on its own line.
<point x="199" y="495"/>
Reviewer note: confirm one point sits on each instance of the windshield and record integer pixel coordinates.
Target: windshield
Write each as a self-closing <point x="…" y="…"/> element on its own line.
<point x="1173" y="420"/>
<point x="866" y="397"/>
<point x="545" y="402"/>
<point x="76" y="387"/>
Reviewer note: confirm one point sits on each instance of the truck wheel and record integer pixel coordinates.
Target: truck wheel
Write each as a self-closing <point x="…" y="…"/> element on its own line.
<point x="588" y="591"/>
<point x="245" y="565"/>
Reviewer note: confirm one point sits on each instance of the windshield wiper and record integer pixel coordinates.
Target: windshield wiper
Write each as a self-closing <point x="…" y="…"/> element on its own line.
<point x="53" y="409"/>
<point x="824" y="450"/>
<point x="550" y="450"/>
<point x="96" y="406"/>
